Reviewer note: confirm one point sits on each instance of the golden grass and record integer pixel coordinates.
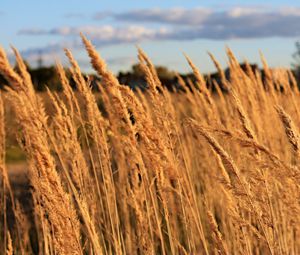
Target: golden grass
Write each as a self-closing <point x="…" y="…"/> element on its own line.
<point x="154" y="172"/>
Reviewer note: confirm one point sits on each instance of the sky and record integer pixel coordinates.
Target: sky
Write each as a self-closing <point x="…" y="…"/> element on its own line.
<point x="165" y="29"/>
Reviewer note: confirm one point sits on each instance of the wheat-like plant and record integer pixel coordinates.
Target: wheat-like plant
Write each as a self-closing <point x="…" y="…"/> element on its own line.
<point x="201" y="171"/>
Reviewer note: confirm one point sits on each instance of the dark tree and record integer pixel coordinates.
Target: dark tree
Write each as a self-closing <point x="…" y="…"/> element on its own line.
<point x="296" y="63"/>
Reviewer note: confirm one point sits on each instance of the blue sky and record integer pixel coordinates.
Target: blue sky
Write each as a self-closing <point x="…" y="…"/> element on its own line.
<point x="164" y="29"/>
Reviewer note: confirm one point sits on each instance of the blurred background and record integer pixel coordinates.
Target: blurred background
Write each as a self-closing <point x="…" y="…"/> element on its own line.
<point x="164" y="29"/>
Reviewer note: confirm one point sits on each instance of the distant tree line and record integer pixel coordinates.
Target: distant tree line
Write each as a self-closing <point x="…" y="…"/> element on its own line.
<point x="43" y="77"/>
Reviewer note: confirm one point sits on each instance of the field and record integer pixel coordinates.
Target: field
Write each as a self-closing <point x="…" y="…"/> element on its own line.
<point x="154" y="172"/>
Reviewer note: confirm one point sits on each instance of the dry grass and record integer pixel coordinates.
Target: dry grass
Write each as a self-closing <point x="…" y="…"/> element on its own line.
<point x="153" y="172"/>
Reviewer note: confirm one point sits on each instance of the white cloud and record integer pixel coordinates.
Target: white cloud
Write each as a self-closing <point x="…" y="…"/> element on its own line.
<point x="174" y="24"/>
<point x="237" y="22"/>
<point x="197" y="23"/>
<point x="179" y="16"/>
<point x="237" y="12"/>
<point x="104" y="34"/>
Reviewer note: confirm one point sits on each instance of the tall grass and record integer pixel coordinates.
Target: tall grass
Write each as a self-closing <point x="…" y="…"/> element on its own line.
<point x="154" y="172"/>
